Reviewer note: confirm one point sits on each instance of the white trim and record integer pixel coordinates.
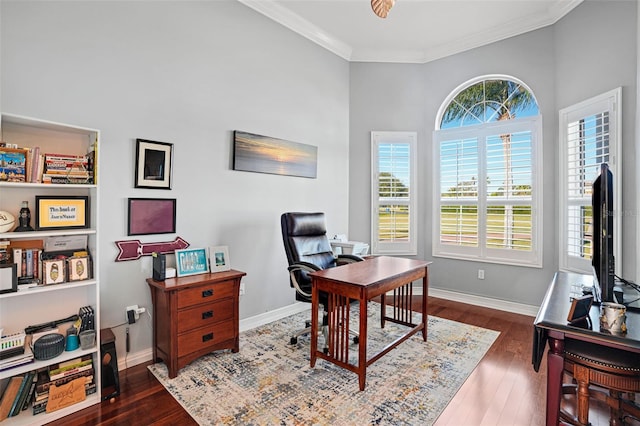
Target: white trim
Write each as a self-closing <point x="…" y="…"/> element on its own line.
<point x="485" y="302"/>
<point x="296" y="23"/>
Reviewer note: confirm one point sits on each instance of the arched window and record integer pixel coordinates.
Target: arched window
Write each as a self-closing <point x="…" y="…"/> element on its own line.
<point x="487" y="173"/>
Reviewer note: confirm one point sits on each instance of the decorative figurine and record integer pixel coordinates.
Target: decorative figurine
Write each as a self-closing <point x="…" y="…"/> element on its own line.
<point x="24" y="219"/>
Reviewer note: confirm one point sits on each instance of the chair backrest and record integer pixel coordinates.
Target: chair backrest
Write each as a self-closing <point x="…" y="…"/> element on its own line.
<point x="305" y="240"/>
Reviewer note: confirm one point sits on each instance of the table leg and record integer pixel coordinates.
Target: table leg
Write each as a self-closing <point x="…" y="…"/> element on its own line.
<point x="362" y="344"/>
<point x="425" y="290"/>
<point x="555" y="367"/>
<point x="314" y="321"/>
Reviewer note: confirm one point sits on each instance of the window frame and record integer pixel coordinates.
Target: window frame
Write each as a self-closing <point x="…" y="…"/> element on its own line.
<point x="482" y="132"/>
<point x="610" y="101"/>
<point x="379" y="246"/>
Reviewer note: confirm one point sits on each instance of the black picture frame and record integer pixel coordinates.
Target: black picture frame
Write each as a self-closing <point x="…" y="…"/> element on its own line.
<point x="62" y="212"/>
<point x="151" y="216"/>
<point x="8" y="278"/>
<point x="154" y="161"/>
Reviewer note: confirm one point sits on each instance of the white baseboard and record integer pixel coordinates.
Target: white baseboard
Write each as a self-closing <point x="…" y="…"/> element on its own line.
<point x="487" y="302"/>
<point x="140" y="357"/>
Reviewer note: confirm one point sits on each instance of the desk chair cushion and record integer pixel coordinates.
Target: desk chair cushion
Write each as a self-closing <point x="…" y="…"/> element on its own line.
<point x="602" y="357"/>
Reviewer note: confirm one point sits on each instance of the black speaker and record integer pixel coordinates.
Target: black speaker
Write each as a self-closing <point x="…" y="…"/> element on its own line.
<point x="159" y="266"/>
<point x="110" y="376"/>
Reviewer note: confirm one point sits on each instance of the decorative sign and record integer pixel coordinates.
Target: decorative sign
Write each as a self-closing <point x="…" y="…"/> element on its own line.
<point x="135" y="249"/>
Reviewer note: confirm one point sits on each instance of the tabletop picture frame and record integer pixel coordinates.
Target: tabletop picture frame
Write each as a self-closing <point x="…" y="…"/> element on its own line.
<point x="219" y="258"/>
<point x="191" y="262"/>
<point x="154" y="161"/>
<point x="53" y="271"/>
<point x="78" y="268"/>
<point x="8" y="278"/>
<point x="61" y="212"/>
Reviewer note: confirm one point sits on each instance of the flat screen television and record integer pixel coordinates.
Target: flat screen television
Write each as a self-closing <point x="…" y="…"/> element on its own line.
<point x="602" y="240"/>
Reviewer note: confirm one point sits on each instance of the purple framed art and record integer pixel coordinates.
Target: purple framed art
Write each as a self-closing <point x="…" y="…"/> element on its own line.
<point x="151" y="216"/>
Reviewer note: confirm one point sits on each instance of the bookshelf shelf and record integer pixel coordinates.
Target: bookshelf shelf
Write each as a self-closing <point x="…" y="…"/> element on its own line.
<point x="51" y="303"/>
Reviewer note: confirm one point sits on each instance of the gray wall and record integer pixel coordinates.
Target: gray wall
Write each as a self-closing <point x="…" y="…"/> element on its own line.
<point x="590" y="51"/>
<point x="188" y="73"/>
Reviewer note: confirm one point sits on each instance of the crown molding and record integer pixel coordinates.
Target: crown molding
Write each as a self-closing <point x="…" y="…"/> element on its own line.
<point x="295" y="23"/>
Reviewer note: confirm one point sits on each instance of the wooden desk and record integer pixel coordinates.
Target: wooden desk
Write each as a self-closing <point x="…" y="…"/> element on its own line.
<point x="364" y="281"/>
<point x="551" y="326"/>
<point x="193" y="316"/>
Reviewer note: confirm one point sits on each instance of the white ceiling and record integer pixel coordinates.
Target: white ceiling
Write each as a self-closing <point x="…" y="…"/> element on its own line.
<point x="416" y="31"/>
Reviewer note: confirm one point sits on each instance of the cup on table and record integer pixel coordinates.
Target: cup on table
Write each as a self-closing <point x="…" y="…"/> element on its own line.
<point x="613" y="318"/>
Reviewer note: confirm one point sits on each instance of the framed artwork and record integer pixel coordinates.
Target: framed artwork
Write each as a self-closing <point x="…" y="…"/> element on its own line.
<point x="53" y="271"/>
<point x="153" y="164"/>
<point x="191" y="262"/>
<point x="219" y="257"/>
<point x="151" y="216"/>
<point x="8" y="278"/>
<point x="78" y="268"/>
<point x="264" y="154"/>
<point x="62" y="212"/>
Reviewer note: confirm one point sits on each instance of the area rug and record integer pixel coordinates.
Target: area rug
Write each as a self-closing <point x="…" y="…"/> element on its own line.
<point x="270" y="382"/>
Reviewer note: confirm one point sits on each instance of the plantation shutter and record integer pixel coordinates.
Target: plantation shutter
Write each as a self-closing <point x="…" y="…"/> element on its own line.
<point x="588" y="139"/>
<point x="393" y="193"/>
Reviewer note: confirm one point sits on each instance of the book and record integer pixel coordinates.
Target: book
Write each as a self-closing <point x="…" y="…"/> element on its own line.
<point x="9" y="396"/>
<point x="16" y="407"/>
<point x="30" y="392"/>
<point x="70" y="367"/>
<point x="41" y="406"/>
<point x="44" y="383"/>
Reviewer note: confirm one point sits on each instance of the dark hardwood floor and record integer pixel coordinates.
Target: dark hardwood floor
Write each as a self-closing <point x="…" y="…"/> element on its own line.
<point x="503" y="390"/>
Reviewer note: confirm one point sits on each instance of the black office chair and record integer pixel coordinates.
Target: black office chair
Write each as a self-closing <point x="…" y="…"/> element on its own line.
<point x="308" y="250"/>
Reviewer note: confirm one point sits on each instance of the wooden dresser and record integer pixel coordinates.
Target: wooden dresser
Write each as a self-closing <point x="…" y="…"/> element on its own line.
<point x="193" y="316"/>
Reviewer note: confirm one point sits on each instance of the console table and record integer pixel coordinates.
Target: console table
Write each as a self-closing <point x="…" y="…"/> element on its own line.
<point x="551" y="326"/>
<point x="193" y="316"/>
<point x="363" y="281"/>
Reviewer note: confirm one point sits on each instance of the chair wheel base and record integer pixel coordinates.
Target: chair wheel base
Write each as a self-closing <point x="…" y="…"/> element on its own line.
<point x="356" y="339"/>
<point x="294" y="340"/>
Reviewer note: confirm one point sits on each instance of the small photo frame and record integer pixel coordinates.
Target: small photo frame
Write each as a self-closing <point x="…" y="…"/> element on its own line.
<point x="191" y="262"/>
<point x="62" y="212"/>
<point x="78" y="268"/>
<point x="8" y="278"/>
<point x="13" y="163"/>
<point x="151" y="216"/>
<point x="53" y="271"/>
<point x="580" y="307"/>
<point x="219" y="258"/>
<point x="153" y="164"/>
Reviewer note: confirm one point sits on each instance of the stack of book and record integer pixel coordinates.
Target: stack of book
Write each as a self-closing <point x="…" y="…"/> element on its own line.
<point x="14" y="351"/>
<point x="16" y="394"/>
<point x="62" y="374"/>
<point x="66" y="168"/>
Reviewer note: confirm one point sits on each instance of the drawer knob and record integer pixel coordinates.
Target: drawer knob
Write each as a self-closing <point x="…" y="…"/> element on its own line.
<point x="207" y="293"/>
<point x="208" y="314"/>
<point x="207" y="337"/>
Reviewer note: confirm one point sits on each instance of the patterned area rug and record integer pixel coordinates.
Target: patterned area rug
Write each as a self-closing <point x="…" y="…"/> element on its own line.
<point x="270" y="382"/>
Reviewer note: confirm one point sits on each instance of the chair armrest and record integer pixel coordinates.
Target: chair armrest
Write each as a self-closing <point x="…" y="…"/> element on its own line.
<point x="343" y="259"/>
<point x="302" y="267"/>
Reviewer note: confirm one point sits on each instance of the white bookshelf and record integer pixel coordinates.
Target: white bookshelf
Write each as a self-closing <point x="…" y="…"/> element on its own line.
<point x="44" y="304"/>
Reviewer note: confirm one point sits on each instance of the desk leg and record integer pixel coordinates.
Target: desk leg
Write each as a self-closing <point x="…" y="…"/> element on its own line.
<point x="314" y="321"/>
<point x="555" y="367"/>
<point x="362" y="344"/>
<point x="425" y="290"/>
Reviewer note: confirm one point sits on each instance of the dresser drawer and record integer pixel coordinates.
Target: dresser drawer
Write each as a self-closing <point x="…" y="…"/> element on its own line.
<point x="205" y="293"/>
<point x="204" y="315"/>
<point x="205" y="337"/>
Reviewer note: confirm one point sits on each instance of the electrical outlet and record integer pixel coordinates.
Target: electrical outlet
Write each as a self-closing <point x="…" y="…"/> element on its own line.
<point x="241" y="288"/>
<point x="136" y="313"/>
<point x="481" y="274"/>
